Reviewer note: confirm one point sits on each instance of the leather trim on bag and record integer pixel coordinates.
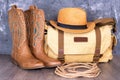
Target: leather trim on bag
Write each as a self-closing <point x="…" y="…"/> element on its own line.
<point x="80" y="39"/>
<point x="106" y="21"/>
<point x="60" y="45"/>
<point x="97" y="54"/>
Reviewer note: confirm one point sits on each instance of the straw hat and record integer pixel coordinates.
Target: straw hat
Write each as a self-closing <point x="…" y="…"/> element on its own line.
<point x="73" y="20"/>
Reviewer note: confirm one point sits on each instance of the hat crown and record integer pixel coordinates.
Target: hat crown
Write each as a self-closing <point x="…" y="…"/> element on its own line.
<point x="72" y="16"/>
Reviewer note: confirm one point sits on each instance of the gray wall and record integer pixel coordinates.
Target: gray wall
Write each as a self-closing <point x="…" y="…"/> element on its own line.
<point x="95" y="9"/>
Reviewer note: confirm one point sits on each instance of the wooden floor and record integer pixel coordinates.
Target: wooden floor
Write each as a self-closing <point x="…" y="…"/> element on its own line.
<point x="9" y="71"/>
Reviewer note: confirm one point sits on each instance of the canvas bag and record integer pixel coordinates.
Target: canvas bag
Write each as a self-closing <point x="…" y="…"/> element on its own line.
<point x="83" y="50"/>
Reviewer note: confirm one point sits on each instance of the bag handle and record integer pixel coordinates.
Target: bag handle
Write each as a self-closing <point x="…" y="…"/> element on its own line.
<point x="106" y="21"/>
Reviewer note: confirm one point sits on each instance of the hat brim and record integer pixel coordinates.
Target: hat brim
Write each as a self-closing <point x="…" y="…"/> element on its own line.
<point x="90" y="27"/>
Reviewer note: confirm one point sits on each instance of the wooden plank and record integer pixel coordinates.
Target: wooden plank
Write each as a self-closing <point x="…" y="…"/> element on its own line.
<point x="9" y="71"/>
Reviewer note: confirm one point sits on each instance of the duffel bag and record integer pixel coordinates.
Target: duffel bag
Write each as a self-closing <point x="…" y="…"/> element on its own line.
<point x="95" y="45"/>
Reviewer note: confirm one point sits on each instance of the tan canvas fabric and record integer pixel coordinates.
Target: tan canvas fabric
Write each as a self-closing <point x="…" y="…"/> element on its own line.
<point x="80" y="51"/>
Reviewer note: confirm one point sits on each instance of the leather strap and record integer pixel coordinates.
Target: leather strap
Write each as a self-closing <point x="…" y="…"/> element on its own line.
<point x="60" y="45"/>
<point x="98" y="45"/>
<point x="106" y="21"/>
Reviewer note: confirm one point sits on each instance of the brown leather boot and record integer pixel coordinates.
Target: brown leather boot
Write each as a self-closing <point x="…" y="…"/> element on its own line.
<point x="21" y="53"/>
<point x="35" y="23"/>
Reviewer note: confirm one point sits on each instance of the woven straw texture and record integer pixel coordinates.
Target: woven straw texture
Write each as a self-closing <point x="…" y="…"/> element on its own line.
<point x="80" y="51"/>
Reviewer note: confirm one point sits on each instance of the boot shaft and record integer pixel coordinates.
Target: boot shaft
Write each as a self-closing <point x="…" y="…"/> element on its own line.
<point x="17" y="26"/>
<point x="35" y="21"/>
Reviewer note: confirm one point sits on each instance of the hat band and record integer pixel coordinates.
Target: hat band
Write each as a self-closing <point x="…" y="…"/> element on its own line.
<point x="72" y="26"/>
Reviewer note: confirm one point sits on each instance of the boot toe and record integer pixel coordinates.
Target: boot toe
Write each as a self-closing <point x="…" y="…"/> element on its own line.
<point x="32" y="64"/>
<point x="53" y="63"/>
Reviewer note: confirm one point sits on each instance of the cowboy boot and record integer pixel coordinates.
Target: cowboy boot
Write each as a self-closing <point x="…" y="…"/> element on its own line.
<point x="35" y="21"/>
<point x="21" y="53"/>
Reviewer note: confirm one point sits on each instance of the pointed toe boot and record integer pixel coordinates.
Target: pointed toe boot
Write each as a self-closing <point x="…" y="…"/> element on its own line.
<point x="21" y="53"/>
<point x="35" y="22"/>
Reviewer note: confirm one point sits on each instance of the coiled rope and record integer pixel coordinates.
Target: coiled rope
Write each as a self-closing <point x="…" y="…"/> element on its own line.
<point x="74" y="70"/>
